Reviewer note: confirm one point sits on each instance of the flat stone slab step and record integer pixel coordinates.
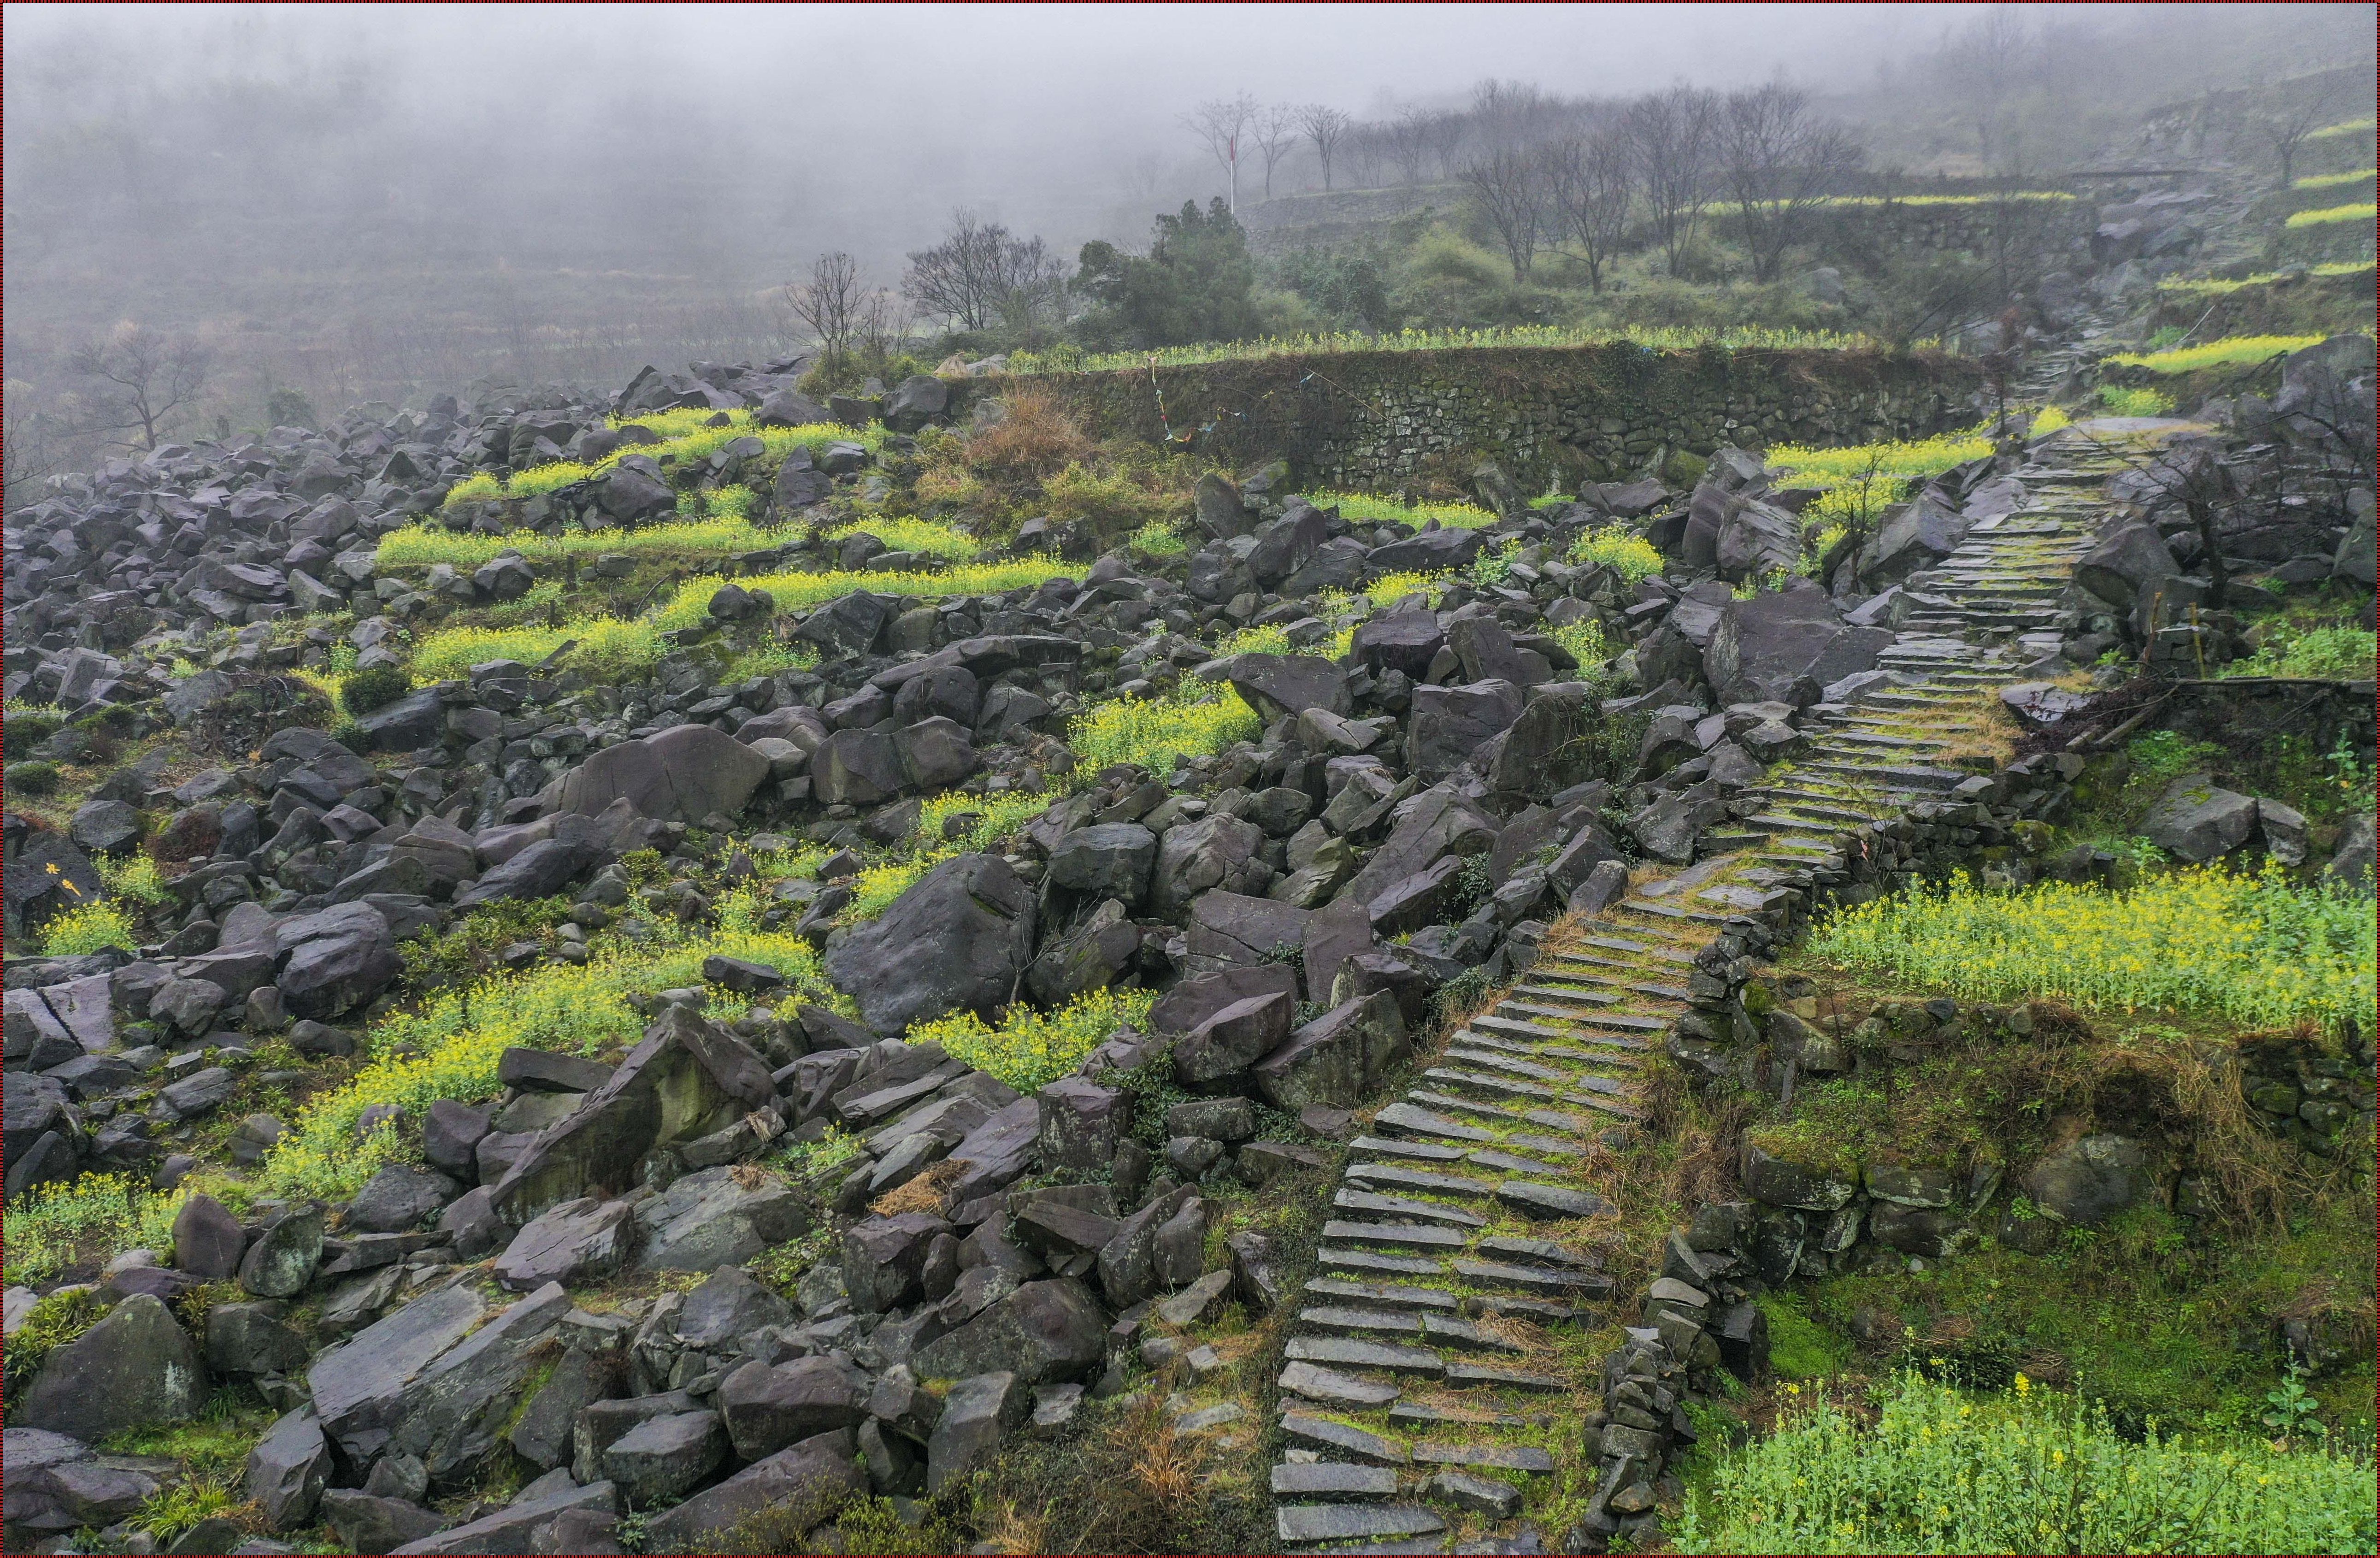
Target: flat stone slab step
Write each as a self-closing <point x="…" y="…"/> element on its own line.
<point x="1537" y="1312"/>
<point x="1549" y="1118"/>
<point x="1404" y="1207"/>
<point x="1488" y="1158"/>
<point x="1472" y="1054"/>
<point x="1544" y="1251"/>
<point x="1332" y="1388"/>
<point x="1476" y="1376"/>
<point x="1420" y="1179"/>
<point x="1305" y="1523"/>
<point x="1536" y="1279"/>
<point x="1426" y="1412"/>
<point x="1407" y="1117"/>
<point x="1515" y="1088"/>
<point x="1417" y="1234"/>
<point x="1671" y="911"/>
<point x="1495" y="1458"/>
<point x="1332" y="1480"/>
<point x="1410" y="1151"/>
<point x="1390" y="1294"/>
<point x="1367" y="1447"/>
<point x="1533" y="1200"/>
<point x="1345" y="1353"/>
<point x="1372" y="1260"/>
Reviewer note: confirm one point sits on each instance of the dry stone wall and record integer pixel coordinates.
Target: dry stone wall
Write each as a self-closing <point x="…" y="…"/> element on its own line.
<point x="1545" y="414"/>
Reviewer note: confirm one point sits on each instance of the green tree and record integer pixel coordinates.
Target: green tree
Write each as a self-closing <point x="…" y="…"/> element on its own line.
<point x="1196" y="283"/>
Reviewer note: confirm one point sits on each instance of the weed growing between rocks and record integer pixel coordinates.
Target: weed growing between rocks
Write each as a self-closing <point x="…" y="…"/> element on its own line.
<point x="93" y="928"/>
<point x="1029" y="1050"/>
<point x="1193" y="719"/>
<point x="2037" y="1471"/>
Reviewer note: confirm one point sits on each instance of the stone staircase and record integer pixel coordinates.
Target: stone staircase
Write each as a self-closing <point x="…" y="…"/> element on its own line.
<point x="1438" y="1367"/>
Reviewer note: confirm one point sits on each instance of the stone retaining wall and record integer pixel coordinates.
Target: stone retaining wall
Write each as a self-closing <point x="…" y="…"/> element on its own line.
<point x="1548" y="415"/>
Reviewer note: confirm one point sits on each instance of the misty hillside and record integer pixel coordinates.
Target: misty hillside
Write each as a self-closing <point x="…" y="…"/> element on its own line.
<point x="865" y="781"/>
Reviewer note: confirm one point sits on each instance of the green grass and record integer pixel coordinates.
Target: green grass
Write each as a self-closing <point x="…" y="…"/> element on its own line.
<point x="2228" y="352"/>
<point x="1799" y="1347"/>
<point x="1339" y="343"/>
<point x="2333" y="215"/>
<point x="2037" y="196"/>
<point x="2335" y="180"/>
<point x="2210" y="286"/>
<point x="1194" y="720"/>
<point x="2256" y="949"/>
<point x="1363" y="509"/>
<point x="46" y="1228"/>
<point x="2028" y="1471"/>
<point x="2332" y="653"/>
<point x="419" y="545"/>
<point x="798" y="591"/>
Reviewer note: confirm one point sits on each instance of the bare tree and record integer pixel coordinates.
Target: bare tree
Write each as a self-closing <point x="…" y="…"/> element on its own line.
<point x="141" y="379"/>
<point x="1779" y="160"/>
<point x="1589" y="186"/>
<point x="829" y="304"/>
<point x="962" y="277"/>
<point x="1274" y="128"/>
<point x="1408" y="140"/>
<point x="1510" y="186"/>
<point x="1327" y="128"/>
<point x="2285" y="129"/>
<point x="1219" y="124"/>
<point x="879" y="326"/>
<point x="1442" y="135"/>
<point x="1983" y="66"/>
<point x="29" y="452"/>
<point x="1669" y="136"/>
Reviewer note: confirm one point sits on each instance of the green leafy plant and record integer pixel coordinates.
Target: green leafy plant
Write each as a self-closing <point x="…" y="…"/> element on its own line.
<point x="2291" y="1410"/>
<point x="1194" y="720"/>
<point x="2029" y="1472"/>
<point x="31" y="777"/>
<point x="2120" y="402"/>
<point x="2231" y="351"/>
<point x="49" y="1325"/>
<point x="173" y="1511"/>
<point x="80" y="932"/>
<point x="134" y="876"/>
<point x="1029" y="1050"/>
<point x="374" y="686"/>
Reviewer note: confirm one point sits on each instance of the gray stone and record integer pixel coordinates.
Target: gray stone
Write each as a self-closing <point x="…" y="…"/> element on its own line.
<point x="288" y="1469"/>
<point x="978" y="1413"/>
<point x="714" y="1218"/>
<point x="2132" y="560"/>
<point x="664" y="1458"/>
<point x="682" y="774"/>
<point x="1288" y="684"/>
<point x="1107" y="860"/>
<point x="1779" y="1183"/>
<point x="359" y="1388"/>
<point x="1785" y="646"/>
<point x="251" y="1339"/>
<point x="368" y="1523"/>
<point x="282" y="1260"/>
<point x="518" y="1527"/>
<point x="1492" y="1497"/>
<point x="818" y="1474"/>
<point x="400" y="1196"/>
<point x="1045" y="1331"/>
<point x="1195" y="858"/>
<point x="1336" y="1059"/>
<point x="768" y="1407"/>
<point x="2091" y="1180"/>
<point x="2198" y="821"/>
<point x="958" y="939"/>
<point x="1449" y="723"/>
<point x="1233" y="1038"/>
<point x="135" y="1367"/>
<point x="570" y="1243"/>
<point x="208" y="1240"/>
<point x="455" y="1413"/>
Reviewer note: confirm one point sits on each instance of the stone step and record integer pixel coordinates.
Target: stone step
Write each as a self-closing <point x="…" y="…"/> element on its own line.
<point x="1332" y="1480"/>
<point x="1406" y="1209"/>
<point x="1385" y="1295"/>
<point x="1304" y="1524"/>
<point x="1341" y="1352"/>
<point x="1395" y="1235"/>
<point x="1374" y="1261"/>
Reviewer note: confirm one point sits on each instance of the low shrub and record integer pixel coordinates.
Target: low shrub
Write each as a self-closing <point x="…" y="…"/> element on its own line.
<point x="2214" y="286"/>
<point x="49" y="1325"/>
<point x="2333" y="653"/>
<point x="31" y="777"/>
<point x="2118" y="401"/>
<point x="24" y="727"/>
<point x="1364" y="508"/>
<point x="2255" y="949"/>
<point x="1611" y="547"/>
<point x="374" y="686"/>
<point x="134" y="876"/>
<point x="81" y="932"/>
<point x="1029" y="1050"/>
<point x="2031" y="1472"/>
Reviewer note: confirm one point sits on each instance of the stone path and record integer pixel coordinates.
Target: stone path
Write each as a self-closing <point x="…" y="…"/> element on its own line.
<point x="1439" y="1364"/>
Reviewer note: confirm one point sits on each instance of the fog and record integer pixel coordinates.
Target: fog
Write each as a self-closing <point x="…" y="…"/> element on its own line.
<point x="389" y="201"/>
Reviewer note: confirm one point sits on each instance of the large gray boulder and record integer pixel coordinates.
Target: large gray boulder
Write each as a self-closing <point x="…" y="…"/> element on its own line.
<point x="334" y="960"/>
<point x="359" y="1389"/>
<point x="1756" y="537"/>
<point x="2129" y="562"/>
<point x="136" y="1367"/>
<point x="681" y="776"/>
<point x="1042" y="1333"/>
<point x="2198" y="821"/>
<point x="1275" y="685"/>
<point x="806" y="1485"/>
<point x="768" y="1407"/>
<point x="2090" y="1180"/>
<point x="574" y="1242"/>
<point x="1786" y="645"/>
<point x="976" y="1415"/>
<point x="456" y="1412"/>
<point x="1450" y="722"/>
<point x="687" y="1080"/>
<point x="958" y="940"/>
<point x="1435" y="824"/>
<point x="1406" y="642"/>
<point x="1335" y="1060"/>
<point x="1916" y="535"/>
<point x="288" y="1469"/>
<point x="1192" y="858"/>
<point x="714" y="1218"/>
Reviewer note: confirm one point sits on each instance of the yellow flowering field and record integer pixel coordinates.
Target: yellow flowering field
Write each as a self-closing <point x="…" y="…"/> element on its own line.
<point x="2258" y="948"/>
<point x="1194" y="719"/>
<point x="1029" y="1050"/>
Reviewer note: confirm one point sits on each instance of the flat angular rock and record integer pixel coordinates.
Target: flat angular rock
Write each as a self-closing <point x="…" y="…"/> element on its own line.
<point x="1332" y="1480"/>
<point x="358" y="1388"/>
<point x="1489" y="1496"/>
<point x="1333" y="1389"/>
<point x="570" y="1243"/>
<point x="1499" y="1458"/>
<point x="513" y="1528"/>
<point x="978" y="1412"/>
<point x="136" y="1366"/>
<point x="1344" y="1353"/>
<point x="717" y="1217"/>
<point x="1347" y="1441"/>
<point x="1341" y="1522"/>
<point x="1533" y="1200"/>
<point x="958" y="939"/>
